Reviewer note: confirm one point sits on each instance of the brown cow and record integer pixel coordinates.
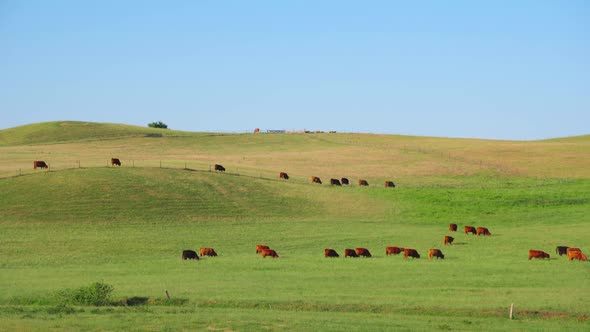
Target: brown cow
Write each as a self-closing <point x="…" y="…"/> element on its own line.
<point x="572" y="249"/>
<point x="363" y="183"/>
<point x="449" y="240"/>
<point x="469" y="229"/>
<point x="330" y="253"/>
<point x="335" y="182"/>
<point x="284" y="175"/>
<point x="350" y="253"/>
<point x="269" y="252"/>
<point x="115" y="161"/>
<point x="453" y="227"/>
<point x="219" y="168"/>
<point x="189" y="254"/>
<point x="39" y="164"/>
<point x="435" y="253"/>
<point x="483" y="231"/>
<point x="362" y="252"/>
<point x="389" y="184"/>
<point x="576" y="255"/>
<point x="315" y="179"/>
<point x="393" y="250"/>
<point x="538" y="254"/>
<point x="411" y="253"/>
<point x="260" y="247"/>
<point x="345" y="181"/>
<point x="207" y="252"/>
<point x="561" y="250"/>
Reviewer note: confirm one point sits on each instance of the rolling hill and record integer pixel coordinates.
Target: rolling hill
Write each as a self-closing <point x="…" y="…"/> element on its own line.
<point x="83" y="221"/>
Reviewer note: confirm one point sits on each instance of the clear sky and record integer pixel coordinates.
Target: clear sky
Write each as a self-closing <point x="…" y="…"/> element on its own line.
<point x="488" y="69"/>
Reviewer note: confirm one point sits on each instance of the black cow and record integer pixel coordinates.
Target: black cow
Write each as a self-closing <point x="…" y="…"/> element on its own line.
<point x="345" y="181"/>
<point x="335" y="182"/>
<point x="219" y="168"/>
<point x="189" y="254"/>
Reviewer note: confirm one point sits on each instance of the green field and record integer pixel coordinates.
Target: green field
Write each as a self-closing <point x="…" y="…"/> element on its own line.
<point x="82" y="221"/>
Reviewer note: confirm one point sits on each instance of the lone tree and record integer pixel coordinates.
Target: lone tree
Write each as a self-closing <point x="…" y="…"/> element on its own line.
<point x="158" y="124"/>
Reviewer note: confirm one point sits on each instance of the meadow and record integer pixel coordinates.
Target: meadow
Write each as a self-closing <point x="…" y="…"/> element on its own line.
<point x="82" y="221"/>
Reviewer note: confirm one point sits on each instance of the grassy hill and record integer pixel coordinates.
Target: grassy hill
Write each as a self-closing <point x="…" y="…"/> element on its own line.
<point x="68" y="131"/>
<point x="78" y="223"/>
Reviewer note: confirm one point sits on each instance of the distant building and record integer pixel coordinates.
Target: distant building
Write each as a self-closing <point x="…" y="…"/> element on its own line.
<point x="281" y="131"/>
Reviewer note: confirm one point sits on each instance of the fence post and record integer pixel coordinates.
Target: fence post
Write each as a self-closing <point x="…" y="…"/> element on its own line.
<point x="167" y="295"/>
<point x="511" y="311"/>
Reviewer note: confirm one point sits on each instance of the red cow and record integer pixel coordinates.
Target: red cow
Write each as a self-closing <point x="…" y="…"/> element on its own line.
<point x="469" y="229"/>
<point x="207" y="252"/>
<point x="435" y="253"/>
<point x="39" y="164"/>
<point x="350" y="253"/>
<point x="115" y="161"/>
<point x="315" y="179"/>
<point x="483" y="231"/>
<point x="330" y="253"/>
<point x="453" y="227"/>
<point x="345" y="181"/>
<point x="411" y="253"/>
<point x="576" y="255"/>
<point x="260" y="247"/>
<point x="449" y="240"/>
<point x="363" y="183"/>
<point x="389" y="184"/>
<point x="284" y="175"/>
<point x="269" y="252"/>
<point x="572" y="249"/>
<point x="362" y="252"/>
<point x="335" y="182"/>
<point x="538" y="254"/>
<point x="393" y="250"/>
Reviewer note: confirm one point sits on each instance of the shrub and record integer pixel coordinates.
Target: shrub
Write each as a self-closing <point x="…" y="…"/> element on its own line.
<point x="97" y="294"/>
<point x="158" y="124"/>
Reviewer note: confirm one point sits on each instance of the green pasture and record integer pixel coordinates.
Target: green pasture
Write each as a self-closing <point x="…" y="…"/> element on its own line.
<point x="67" y="228"/>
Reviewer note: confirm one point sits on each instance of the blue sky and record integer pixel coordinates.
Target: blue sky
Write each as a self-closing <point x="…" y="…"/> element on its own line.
<point x="487" y="69"/>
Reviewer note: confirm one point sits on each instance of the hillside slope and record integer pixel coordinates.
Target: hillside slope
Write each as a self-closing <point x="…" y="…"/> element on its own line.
<point x="67" y="131"/>
<point x="376" y="158"/>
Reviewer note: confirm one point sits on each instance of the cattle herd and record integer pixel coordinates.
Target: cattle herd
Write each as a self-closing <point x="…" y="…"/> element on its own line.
<point x="264" y="250"/>
<point x="572" y="253"/>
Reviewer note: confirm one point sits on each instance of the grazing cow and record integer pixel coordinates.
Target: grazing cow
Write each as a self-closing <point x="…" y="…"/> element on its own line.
<point x="389" y="184"/>
<point x="561" y="250"/>
<point x="189" y="254"/>
<point x="269" y="252"/>
<point x="207" y="252"/>
<point x="483" y="231"/>
<point x="572" y="249"/>
<point x="335" y="182"/>
<point x="393" y="250"/>
<point x="576" y="255"/>
<point x="411" y="253"/>
<point x="39" y="164"/>
<point x="469" y="229"/>
<point x="260" y="247"/>
<point x="115" y="161"/>
<point x="538" y="254"/>
<point x="284" y="175"/>
<point x="435" y="253"/>
<point x="449" y="240"/>
<point x="362" y="252"/>
<point x="330" y="253"/>
<point x="345" y="181"/>
<point x="219" y="168"/>
<point x="350" y="253"/>
<point x="453" y="227"/>
<point x="363" y="183"/>
<point x="315" y="179"/>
